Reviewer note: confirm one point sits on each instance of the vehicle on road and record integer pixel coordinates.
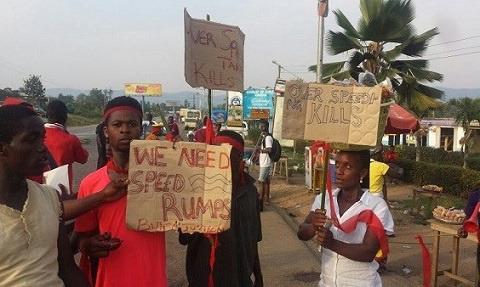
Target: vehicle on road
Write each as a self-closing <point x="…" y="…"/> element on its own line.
<point x="191" y="118"/>
<point x="243" y="130"/>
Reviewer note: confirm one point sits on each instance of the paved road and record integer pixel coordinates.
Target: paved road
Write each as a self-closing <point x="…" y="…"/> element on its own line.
<point x="285" y="260"/>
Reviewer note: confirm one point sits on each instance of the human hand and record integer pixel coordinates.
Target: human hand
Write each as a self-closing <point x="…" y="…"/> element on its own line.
<point x="319" y="219"/>
<point x="462" y="233"/>
<point x="100" y="245"/>
<point x="115" y="189"/>
<point x="324" y="237"/>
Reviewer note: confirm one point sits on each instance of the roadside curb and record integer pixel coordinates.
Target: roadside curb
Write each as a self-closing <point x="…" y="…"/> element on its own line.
<point x="294" y="224"/>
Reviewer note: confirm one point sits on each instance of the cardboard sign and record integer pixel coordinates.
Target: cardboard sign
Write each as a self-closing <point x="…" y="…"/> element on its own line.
<point x="293" y="116"/>
<point x="213" y="55"/>
<point x="341" y="114"/>
<point x="188" y="186"/>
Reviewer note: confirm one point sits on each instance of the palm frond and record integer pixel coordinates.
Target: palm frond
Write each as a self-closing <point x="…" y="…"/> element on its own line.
<point x="338" y="42"/>
<point x="419" y="44"/>
<point x="343" y="22"/>
<point x="416" y="68"/>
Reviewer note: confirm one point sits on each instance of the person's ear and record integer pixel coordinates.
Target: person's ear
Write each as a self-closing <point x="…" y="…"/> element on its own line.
<point x="105" y="131"/>
<point x="364" y="173"/>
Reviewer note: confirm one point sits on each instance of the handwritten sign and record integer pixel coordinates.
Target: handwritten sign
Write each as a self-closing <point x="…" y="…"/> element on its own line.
<point x="213" y="55"/>
<point x="342" y="114"/>
<point x="188" y="186"/>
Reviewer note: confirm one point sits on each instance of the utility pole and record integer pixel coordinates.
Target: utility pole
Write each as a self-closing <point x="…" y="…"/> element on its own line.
<point x="279" y="68"/>
<point x="193" y="100"/>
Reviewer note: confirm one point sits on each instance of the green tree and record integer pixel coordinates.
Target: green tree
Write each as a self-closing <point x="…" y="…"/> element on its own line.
<point x="34" y="89"/>
<point x="466" y="110"/>
<point x="90" y="105"/>
<point x="384" y="34"/>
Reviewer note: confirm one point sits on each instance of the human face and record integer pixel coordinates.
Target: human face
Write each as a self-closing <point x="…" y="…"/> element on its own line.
<point x="263" y="127"/>
<point x="123" y="127"/>
<point x="26" y="154"/>
<point x="348" y="170"/>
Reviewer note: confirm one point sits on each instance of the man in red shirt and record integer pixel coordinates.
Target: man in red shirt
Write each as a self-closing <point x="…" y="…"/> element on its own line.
<point x="65" y="147"/>
<point x="127" y="258"/>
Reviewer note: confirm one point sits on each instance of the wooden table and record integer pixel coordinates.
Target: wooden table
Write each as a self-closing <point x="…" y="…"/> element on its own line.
<point x="441" y="229"/>
<point x="418" y="193"/>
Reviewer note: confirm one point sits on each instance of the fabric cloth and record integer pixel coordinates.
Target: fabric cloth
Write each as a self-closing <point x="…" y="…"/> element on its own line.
<point x="264" y="173"/>
<point x="174" y="130"/>
<point x="201" y="135"/>
<point x="65" y="148"/>
<point x="264" y="158"/>
<point x="377" y="172"/>
<point x="234" y="257"/>
<point x="338" y="270"/>
<point x="28" y="239"/>
<point x="141" y="259"/>
<point x="390" y="156"/>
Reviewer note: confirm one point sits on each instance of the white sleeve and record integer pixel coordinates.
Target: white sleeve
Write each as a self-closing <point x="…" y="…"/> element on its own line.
<point x="268" y="142"/>
<point x="383" y="213"/>
<point x="317" y="202"/>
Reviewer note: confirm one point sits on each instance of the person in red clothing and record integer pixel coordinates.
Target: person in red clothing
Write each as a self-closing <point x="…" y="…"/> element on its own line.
<point x="390" y="158"/>
<point x="201" y="134"/>
<point x="127" y="258"/>
<point x="65" y="147"/>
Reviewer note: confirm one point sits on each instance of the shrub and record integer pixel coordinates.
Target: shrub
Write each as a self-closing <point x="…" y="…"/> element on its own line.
<point x="454" y="179"/>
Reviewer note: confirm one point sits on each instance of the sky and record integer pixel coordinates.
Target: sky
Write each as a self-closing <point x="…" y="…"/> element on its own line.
<point x="105" y="44"/>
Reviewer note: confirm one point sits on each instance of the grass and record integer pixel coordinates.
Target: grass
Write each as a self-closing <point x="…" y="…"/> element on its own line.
<point x="76" y="120"/>
<point x="446" y="201"/>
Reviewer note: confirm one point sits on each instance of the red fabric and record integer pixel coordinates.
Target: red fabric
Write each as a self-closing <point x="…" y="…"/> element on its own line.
<point x="427" y="262"/>
<point x="201" y="135"/>
<point x="174" y="130"/>
<point x="17" y="102"/>
<point x="390" y="156"/>
<point x="111" y="166"/>
<point x="86" y="267"/>
<point x="122" y="108"/>
<point x="367" y="216"/>
<point x="141" y="259"/>
<point x="213" y="238"/>
<point x="224" y="139"/>
<point x="65" y="149"/>
<point x="210" y="132"/>
<point x="471" y="225"/>
<point x="400" y="121"/>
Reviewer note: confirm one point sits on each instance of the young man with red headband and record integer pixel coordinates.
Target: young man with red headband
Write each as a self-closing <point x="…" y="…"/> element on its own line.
<point x="235" y="250"/>
<point x="127" y="258"/>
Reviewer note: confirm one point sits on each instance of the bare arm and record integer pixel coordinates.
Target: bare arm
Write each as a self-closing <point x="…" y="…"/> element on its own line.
<point x="313" y="226"/>
<point x="68" y="271"/>
<point x="116" y="189"/>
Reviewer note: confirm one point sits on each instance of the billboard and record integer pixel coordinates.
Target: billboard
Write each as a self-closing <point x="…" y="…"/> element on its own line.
<point x="258" y="104"/>
<point x="213" y="55"/>
<point x="235" y="109"/>
<point x="219" y="116"/>
<point x="143" y="89"/>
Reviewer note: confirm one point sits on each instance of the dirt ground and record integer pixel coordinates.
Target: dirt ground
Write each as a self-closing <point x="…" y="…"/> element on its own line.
<point x="405" y="253"/>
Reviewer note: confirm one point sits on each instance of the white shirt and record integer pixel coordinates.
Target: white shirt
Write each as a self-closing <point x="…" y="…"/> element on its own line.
<point x="338" y="270"/>
<point x="264" y="159"/>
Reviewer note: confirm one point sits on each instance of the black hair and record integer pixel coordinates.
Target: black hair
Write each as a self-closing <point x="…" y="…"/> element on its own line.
<point x="11" y="121"/>
<point x="57" y="112"/>
<point x="232" y="134"/>
<point x="123" y="101"/>
<point x="264" y="122"/>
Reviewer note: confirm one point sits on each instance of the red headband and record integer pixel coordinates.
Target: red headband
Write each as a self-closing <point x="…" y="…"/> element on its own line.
<point x="121" y="108"/>
<point x="224" y="139"/>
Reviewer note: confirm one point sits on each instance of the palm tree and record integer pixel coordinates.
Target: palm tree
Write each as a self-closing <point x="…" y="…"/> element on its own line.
<point x="385" y="33"/>
<point x="466" y="111"/>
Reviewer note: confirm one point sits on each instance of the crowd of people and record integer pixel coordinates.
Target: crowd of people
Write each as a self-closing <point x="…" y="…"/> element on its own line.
<point x="351" y="222"/>
<point x="32" y="215"/>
